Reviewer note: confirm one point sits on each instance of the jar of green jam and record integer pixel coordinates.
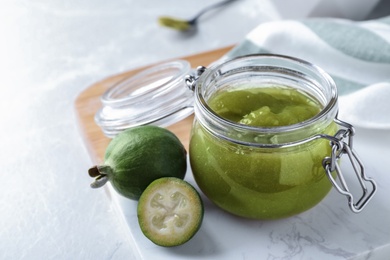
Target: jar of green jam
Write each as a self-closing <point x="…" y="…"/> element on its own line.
<point x="266" y="141"/>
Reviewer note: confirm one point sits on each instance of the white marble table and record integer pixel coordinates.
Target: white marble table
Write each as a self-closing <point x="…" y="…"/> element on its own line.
<point x="50" y="51"/>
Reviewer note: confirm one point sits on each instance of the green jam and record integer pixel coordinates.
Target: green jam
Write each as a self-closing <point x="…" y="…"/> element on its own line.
<point x="258" y="182"/>
<point x="266" y="107"/>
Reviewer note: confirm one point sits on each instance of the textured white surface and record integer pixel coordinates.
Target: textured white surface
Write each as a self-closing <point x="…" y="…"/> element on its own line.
<point x="49" y="52"/>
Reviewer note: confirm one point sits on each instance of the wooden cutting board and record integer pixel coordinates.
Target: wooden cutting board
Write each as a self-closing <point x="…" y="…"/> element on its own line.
<point x="88" y="102"/>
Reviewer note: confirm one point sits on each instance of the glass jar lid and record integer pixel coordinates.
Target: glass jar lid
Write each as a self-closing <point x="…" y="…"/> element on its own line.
<point x="156" y="96"/>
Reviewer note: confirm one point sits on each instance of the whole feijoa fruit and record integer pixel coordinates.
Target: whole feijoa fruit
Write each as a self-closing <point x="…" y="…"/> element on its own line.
<point x="138" y="156"/>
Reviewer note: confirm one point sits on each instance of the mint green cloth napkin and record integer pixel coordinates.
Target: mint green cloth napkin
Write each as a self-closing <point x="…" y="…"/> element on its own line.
<point x="355" y="54"/>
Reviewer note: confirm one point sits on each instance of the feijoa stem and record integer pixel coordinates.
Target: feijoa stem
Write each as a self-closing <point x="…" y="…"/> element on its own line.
<point x="94" y="172"/>
<point x="101" y="174"/>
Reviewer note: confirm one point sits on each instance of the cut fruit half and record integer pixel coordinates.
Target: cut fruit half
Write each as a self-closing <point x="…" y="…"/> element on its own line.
<point x="170" y="211"/>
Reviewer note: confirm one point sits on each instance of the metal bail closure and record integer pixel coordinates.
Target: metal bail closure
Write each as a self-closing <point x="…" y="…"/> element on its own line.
<point x="191" y="79"/>
<point x="340" y="147"/>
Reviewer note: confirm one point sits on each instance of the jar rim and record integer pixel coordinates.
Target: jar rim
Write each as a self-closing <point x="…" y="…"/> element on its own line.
<point x="330" y="105"/>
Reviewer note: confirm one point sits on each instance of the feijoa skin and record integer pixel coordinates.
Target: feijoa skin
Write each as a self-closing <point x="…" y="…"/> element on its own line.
<point x="138" y="156"/>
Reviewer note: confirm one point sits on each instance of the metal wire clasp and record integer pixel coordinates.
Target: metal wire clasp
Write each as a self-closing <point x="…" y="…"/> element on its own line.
<point x="191" y="79"/>
<point x="342" y="143"/>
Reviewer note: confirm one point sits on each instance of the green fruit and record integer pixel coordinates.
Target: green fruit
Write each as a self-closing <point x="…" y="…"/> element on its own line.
<point x="170" y="212"/>
<point x="138" y="156"/>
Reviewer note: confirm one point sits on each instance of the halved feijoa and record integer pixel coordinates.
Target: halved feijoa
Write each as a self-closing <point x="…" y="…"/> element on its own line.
<point x="170" y="211"/>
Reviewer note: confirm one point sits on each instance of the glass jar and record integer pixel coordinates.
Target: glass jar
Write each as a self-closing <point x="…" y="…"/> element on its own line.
<point x="269" y="172"/>
<point x="252" y="171"/>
